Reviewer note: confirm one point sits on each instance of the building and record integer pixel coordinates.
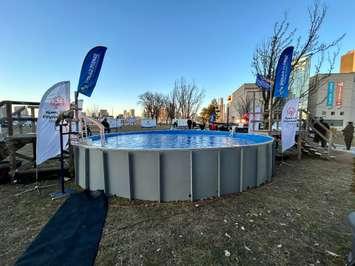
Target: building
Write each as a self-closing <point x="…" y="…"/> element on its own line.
<point x="347" y="62"/>
<point x="242" y="101"/>
<point x="103" y="113"/>
<point x="333" y="98"/>
<point x="132" y="113"/>
<point x="125" y="114"/>
<point x="221" y="110"/>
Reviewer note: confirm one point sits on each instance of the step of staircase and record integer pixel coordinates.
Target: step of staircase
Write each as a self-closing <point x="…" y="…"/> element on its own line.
<point x="317" y="150"/>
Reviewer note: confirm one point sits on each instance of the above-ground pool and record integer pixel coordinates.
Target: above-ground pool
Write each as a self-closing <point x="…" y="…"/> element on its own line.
<point x="174" y="164"/>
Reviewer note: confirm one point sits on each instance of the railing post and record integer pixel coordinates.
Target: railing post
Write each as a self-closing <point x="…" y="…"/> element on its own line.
<point x="299" y="146"/>
<point x="307" y="123"/>
<point x="19" y="123"/>
<point x="330" y="143"/>
<point x="300" y="135"/>
<point x="351" y="220"/>
<point x="10" y="131"/>
<point x="33" y="124"/>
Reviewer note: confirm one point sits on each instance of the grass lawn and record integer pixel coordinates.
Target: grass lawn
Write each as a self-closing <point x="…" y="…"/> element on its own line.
<point x="298" y="219"/>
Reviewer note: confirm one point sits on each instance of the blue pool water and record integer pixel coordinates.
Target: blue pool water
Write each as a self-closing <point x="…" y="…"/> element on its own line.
<point x="178" y="139"/>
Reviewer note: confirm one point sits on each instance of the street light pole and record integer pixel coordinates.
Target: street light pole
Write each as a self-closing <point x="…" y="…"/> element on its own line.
<point x="76" y="111"/>
<point x="227" y="114"/>
<point x="229" y="100"/>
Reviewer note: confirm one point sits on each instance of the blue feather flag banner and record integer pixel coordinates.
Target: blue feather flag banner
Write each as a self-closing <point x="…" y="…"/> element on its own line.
<point x="91" y="69"/>
<point x="283" y="71"/>
<point x="262" y="82"/>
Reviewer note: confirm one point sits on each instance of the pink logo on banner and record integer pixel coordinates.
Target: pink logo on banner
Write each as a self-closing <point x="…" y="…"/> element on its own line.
<point x="57" y="102"/>
<point x="291" y="111"/>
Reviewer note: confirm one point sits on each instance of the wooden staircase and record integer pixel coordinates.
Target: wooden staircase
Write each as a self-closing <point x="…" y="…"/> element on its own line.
<point x="310" y="147"/>
<point x="306" y="140"/>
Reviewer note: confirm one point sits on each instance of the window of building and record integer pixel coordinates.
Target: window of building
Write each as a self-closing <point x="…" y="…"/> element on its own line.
<point x="332" y="113"/>
<point x="324" y="113"/>
<point x="334" y="123"/>
<point x="341" y="113"/>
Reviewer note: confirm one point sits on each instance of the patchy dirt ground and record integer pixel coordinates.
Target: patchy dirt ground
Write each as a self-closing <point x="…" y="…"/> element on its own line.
<point x="298" y="219"/>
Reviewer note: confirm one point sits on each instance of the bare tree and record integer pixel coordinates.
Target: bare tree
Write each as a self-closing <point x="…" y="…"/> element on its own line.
<point x="152" y="104"/>
<point x="265" y="57"/>
<point x="182" y="102"/>
<point x="158" y="104"/>
<point x="171" y="105"/>
<point x="147" y="101"/>
<point x="188" y="98"/>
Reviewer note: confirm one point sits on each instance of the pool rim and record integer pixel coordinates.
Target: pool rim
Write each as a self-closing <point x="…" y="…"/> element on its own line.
<point x="225" y="133"/>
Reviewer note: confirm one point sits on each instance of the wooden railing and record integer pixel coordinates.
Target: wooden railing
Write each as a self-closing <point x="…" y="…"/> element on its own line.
<point x="306" y="123"/>
<point x="96" y="123"/>
<point x="311" y="123"/>
<point x="10" y="116"/>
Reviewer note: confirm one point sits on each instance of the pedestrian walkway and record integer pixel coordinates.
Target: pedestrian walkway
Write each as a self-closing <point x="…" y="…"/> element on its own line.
<point x="340" y="147"/>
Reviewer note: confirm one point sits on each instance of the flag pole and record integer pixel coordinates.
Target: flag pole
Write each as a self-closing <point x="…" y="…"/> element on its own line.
<point x="63" y="191"/>
<point x="61" y="158"/>
<point x="76" y="96"/>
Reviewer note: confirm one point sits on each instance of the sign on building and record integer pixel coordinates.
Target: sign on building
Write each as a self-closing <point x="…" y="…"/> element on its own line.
<point x="339" y="94"/>
<point x="330" y="93"/>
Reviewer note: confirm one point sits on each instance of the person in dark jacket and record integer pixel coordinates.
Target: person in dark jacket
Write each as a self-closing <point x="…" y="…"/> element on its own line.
<point x="189" y="123"/>
<point x="348" y="133"/>
<point x="106" y="125"/>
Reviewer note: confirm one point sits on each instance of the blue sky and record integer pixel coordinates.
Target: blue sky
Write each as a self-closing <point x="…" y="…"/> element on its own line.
<point x="150" y="43"/>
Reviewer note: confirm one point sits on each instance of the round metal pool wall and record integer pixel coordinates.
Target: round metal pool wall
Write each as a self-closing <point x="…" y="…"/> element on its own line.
<point x="173" y="175"/>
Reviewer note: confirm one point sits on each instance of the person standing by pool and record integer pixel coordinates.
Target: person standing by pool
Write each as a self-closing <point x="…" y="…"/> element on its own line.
<point x="189" y="123"/>
<point x="106" y="125"/>
<point x="348" y="133"/>
<point x="212" y="121"/>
